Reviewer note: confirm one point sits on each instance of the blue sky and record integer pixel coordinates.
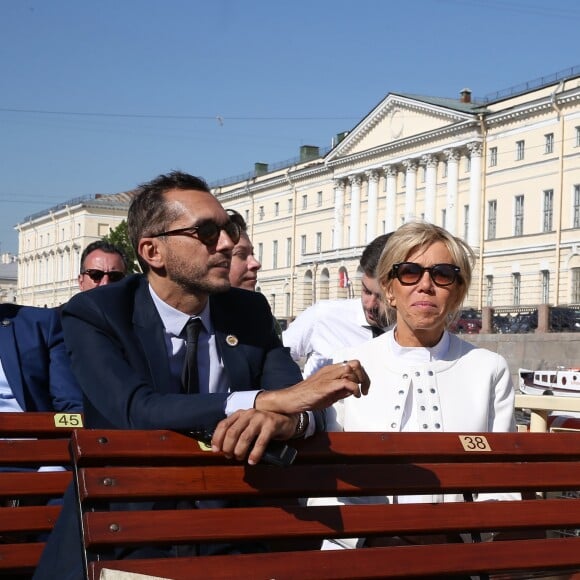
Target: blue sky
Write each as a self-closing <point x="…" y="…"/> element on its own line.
<point x="97" y="96"/>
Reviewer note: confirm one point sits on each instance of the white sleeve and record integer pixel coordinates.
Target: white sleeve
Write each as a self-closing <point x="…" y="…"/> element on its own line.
<point x="297" y="337"/>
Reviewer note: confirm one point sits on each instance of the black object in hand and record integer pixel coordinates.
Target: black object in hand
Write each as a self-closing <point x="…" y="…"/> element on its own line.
<point x="276" y="453"/>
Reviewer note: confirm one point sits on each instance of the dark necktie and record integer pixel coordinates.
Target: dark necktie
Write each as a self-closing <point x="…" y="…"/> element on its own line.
<point x="189" y="376"/>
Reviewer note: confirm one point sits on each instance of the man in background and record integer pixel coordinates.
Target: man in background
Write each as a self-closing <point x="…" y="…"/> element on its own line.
<point x="101" y="264"/>
<point x="244" y="265"/>
<point x="330" y="325"/>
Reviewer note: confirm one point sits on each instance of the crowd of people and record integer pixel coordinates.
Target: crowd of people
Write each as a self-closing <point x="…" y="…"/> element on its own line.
<point x="188" y="344"/>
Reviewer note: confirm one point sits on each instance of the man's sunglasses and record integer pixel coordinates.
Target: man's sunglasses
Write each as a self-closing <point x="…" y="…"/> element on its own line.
<point x="409" y="273"/>
<point x="207" y="233"/>
<point x="98" y="275"/>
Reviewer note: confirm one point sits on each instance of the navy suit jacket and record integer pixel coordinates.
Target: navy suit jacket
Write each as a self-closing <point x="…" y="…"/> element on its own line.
<point x="116" y="342"/>
<point x="35" y="360"/>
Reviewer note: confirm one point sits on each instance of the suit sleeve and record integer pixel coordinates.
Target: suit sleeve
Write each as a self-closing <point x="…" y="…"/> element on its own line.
<point x="65" y="392"/>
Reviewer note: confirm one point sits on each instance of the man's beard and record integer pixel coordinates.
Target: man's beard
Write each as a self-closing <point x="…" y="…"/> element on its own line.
<point x="193" y="279"/>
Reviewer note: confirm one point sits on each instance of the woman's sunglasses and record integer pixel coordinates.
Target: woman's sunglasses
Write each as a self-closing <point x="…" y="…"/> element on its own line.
<point x="208" y="232"/>
<point x="98" y="275"/>
<point x="409" y="273"/>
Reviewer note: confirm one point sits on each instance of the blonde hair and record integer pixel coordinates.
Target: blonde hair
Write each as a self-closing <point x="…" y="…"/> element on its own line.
<point x="415" y="235"/>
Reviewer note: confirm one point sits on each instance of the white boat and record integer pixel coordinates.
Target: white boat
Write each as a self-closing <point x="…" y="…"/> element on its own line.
<point x="562" y="382"/>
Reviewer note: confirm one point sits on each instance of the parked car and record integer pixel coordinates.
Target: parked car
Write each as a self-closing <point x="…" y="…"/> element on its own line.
<point x="467" y="321"/>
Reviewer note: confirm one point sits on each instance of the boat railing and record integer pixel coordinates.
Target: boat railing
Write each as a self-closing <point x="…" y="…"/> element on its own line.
<point x="540" y="407"/>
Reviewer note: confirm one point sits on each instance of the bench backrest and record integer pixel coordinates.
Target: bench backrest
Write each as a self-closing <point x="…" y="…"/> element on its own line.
<point x="29" y="442"/>
<point x="162" y="465"/>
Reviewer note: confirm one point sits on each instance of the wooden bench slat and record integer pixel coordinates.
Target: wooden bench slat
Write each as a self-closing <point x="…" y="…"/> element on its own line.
<point x="25" y="452"/>
<point x="19" y="558"/>
<point x="263" y="523"/>
<point x="241" y="481"/>
<point x="42" y="484"/>
<point x="32" y="425"/>
<point x="167" y="447"/>
<point x="369" y="563"/>
<point x="28" y="518"/>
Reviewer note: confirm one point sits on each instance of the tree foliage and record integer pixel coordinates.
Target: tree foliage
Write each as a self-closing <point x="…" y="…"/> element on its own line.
<point x="119" y="236"/>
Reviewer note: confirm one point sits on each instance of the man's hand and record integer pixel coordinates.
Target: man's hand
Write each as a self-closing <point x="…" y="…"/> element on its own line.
<point x="246" y="433"/>
<point x="319" y="391"/>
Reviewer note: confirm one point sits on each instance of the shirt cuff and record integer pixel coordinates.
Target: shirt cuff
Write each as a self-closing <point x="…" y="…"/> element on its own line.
<point x="240" y="400"/>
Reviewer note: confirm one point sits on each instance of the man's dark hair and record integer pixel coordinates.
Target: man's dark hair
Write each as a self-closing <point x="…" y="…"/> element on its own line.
<point x="371" y="254"/>
<point x="106" y="247"/>
<point x="237" y="218"/>
<point x="149" y="214"/>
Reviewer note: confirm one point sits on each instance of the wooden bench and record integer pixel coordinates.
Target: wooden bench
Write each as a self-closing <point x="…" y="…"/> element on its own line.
<point x="146" y="465"/>
<point x="29" y="441"/>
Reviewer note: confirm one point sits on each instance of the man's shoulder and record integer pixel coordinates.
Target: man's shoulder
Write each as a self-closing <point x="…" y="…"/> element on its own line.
<point x="238" y="297"/>
<point x="17" y="312"/>
<point x="114" y="295"/>
<point x="338" y="307"/>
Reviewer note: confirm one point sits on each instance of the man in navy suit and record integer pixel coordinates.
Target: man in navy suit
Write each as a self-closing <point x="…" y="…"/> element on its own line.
<point x="127" y="343"/>
<point x="35" y="373"/>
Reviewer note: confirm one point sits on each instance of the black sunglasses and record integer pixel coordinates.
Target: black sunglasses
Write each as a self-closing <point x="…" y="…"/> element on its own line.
<point x="207" y="233"/>
<point x="409" y="273"/>
<point x="98" y="275"/>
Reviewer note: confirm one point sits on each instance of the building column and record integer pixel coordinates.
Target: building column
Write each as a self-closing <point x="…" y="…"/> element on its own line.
<point x="390" y="172"/>
<point x="430" y="162"/>
<point x="355" y="183"/>
<point x="475" y="193"/>
<point x="452" y="185"/>
<point x="338" y="237"/>
<point x="373" y="204"/>
<point x="410" y="189"/>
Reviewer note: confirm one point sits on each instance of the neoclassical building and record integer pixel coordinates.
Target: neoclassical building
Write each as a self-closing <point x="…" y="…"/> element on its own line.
<point x="50" y="245"/>
<point x="503" y="173"/>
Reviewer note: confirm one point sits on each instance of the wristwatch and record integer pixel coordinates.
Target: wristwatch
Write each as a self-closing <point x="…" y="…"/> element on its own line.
<point x="301" y="425"/>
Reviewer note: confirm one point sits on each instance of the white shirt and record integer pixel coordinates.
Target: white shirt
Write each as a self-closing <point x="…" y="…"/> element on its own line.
<point x="325" y="328"/>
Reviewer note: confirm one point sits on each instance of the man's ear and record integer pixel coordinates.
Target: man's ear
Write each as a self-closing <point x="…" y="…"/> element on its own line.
<point x="149" y="250"/>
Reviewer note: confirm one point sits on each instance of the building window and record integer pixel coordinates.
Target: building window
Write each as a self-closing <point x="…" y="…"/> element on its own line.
<point x="443" y="218"/>
<point x="275" y="254"/>
<point x="261" y="213"/>
<point x="319" y="241"/>
<point x="277" y="209"/>
<point x="288" y="303"/>
<point x="260" y="252"/>
<point x="520" y="150"/>
<point x="444" y="169"/>
<point x="576" y="223"/>
<point x="519" y="216"/>
<point x="489" y="290"/>
<point x="548" y="209"/>
<point x="290" y="205"/>
<point x="247" y="214"/>
<point x="549" y="143"/>
<point x="577" y="136"/>
<point x="303" y="244"/>
<point x="304" y="201"/>
<point x="545" y="287"/>
<point x="516" y="281"/>
<point x="491" y="219"/>
<point x="493" y="156"/>
<point x="273" y="303"/>
<point x="575" y="297"/>
<point x="319" y="199"/>
<point x="465" y="221"/>
<point x="467" y="164"/>
<point x="288" y="251"/>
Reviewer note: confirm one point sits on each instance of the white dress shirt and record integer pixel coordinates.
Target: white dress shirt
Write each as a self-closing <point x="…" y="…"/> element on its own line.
<point x="325" y="328"/>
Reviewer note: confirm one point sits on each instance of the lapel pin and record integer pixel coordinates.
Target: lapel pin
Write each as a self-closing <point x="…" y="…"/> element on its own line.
<point x="231" y="340"/>
<point x="7" y="322"/>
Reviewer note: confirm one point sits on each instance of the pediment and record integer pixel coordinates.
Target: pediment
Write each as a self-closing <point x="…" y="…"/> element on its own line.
<point x="396" y="119"/>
